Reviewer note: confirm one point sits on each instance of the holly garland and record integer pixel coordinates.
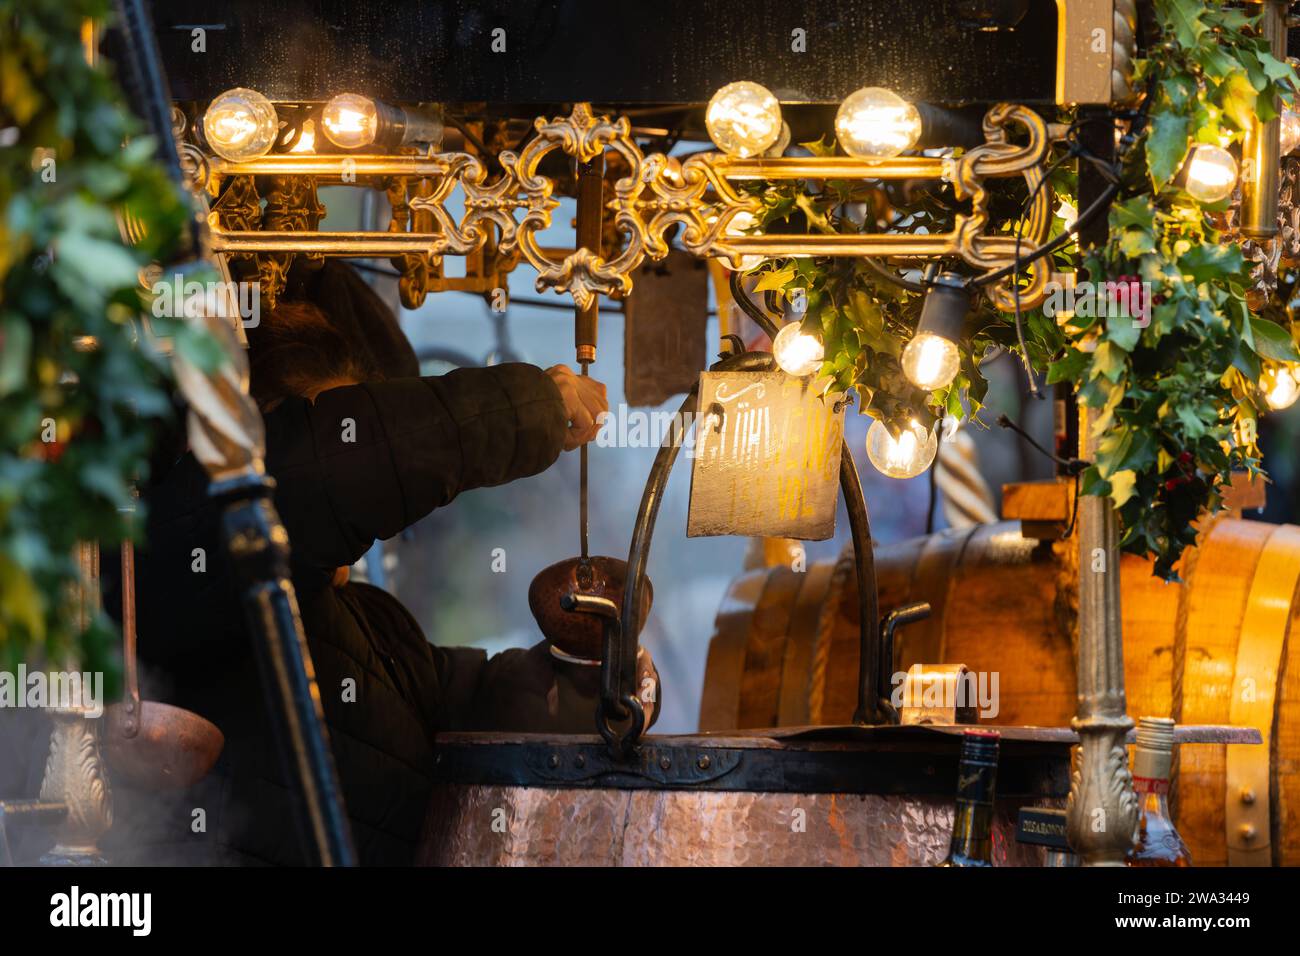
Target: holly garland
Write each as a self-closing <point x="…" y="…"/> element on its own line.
<point x="74" y="420"/>
<point x="1176" y="397"/>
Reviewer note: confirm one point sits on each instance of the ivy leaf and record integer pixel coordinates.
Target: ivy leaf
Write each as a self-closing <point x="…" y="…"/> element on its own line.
<point x="1238" y="100"/>
<point x="1274" y="68"/>
<point x="1184" y="17"/>
<point x="1068" y="368"/>
<point x="774" y="281"/>
<point x="1207" y="261"/>
<point x="1271" y="341"/>
<point x="822" y="146"/>
<point x="1217" y="62"/>
<point x="1123" y="330"/>
<point x="1166" y="147"/>
<point x="1123" y="486"/>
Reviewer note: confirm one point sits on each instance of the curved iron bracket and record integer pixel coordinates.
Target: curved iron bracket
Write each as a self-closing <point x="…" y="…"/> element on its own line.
<point x="619" y="669"/>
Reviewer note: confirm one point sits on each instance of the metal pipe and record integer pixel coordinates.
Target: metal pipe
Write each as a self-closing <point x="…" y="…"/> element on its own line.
<point x="1261" y="149"/>
<point x="1101" y="788"/>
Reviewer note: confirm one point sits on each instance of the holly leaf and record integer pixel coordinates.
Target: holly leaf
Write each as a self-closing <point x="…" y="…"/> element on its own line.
<point x="1271" y="341"/>
<point x="1238" y="100"/>
<point x="1123" y="330"/>
<point x="1123" y="486"/>
<point x="1165" y="148"/>
<point x="1207" y="261"/>
<point x="1184" y="18"/>
<point x="774" y="281"/>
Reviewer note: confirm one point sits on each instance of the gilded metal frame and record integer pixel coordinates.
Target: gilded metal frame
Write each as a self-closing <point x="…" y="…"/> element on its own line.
<point x="700" y="195"/>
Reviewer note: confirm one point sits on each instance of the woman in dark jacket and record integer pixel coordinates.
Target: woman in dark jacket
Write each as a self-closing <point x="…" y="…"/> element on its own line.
<point x="360" y="447"/>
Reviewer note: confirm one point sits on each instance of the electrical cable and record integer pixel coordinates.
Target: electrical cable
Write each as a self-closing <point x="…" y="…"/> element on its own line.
<point x="742" y="299"/>
<point x="1072" y="466"/>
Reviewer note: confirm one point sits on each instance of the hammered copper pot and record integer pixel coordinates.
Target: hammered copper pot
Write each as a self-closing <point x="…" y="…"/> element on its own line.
<point x="577" y="633"/>
<point x="152" y="745"/>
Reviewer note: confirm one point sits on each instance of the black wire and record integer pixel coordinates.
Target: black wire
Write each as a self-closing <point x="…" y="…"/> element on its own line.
<point x="742" y="299"/>
<point x="488" y="156"/>
<point x="889" y="275"/>
<point x="1074" y="510"/>
<point x="1015" y="275"/>
<point x="1072" y="465"/>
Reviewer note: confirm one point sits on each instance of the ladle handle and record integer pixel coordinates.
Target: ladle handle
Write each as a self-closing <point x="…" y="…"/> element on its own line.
<point x="131" y="725"/>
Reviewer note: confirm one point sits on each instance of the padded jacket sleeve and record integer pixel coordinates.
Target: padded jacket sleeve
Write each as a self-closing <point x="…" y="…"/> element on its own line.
<point x="365" y="461"/>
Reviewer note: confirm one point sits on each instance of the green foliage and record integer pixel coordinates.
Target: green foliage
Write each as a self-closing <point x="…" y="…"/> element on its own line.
<point x="1177" y="399"/>
<point x="66" y="272"/>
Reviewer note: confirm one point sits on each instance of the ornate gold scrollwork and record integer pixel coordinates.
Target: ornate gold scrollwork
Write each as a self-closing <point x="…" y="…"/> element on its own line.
<point x="658" y="192"/>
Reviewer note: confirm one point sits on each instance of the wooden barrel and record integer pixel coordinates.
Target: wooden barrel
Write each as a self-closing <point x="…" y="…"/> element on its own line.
<point x="1211" y="650"/>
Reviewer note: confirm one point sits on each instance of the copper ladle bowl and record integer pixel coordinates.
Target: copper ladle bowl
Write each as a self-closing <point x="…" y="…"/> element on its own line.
<point x="171" y="748"/>
<point x="577" y="633"/>
<point x="151" y="745"/>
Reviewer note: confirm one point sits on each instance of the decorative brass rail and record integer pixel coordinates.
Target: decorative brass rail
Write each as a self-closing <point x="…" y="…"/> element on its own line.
<point x="700" y="195"/>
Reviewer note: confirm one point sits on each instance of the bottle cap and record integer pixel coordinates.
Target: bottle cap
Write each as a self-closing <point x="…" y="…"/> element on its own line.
<point x="1154" y="756"/>
<point x="1156" y="733"/>
<point x="980" y="746"/>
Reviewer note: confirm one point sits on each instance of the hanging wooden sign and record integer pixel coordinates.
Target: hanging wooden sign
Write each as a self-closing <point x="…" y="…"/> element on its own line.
<point x="665" y="342"/>
<point x="766" y="457"/>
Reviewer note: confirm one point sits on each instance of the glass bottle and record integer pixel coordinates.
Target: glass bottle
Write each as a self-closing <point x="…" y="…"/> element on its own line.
<point x="972" y="823"/>
<point x="1158" y="842"/>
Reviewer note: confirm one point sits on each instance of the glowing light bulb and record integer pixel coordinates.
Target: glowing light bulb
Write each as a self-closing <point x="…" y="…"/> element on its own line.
<point x="350" y="121"/>
<point x="797" y="352"/>
<point x="306" y="142"/>
<point x="1279" y="385"/>
<point x="240" y="124"/>
<point x="740" y="225"/>
<point x="931" y="361"/>
<point x="1211" y="173"/>
<point x="1290" y="133"/>
<point x="875" y="123"/>
<point x="743" y="119"/>
<point x="905" y="456"/>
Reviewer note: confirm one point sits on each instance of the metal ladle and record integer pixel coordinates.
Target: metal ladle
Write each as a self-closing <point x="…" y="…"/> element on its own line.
<point x="151" y="745"/>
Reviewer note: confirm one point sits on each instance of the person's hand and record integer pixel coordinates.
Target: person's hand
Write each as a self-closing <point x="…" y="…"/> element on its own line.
<point x="584" y="404"/>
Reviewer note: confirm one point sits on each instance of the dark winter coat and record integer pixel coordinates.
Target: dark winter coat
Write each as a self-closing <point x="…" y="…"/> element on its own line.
<point x="416" y="444"/>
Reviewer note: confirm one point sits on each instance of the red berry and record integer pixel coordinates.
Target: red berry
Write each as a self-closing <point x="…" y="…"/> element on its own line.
<point x="1171" y="484"/>
<point x="1185" y="458"/>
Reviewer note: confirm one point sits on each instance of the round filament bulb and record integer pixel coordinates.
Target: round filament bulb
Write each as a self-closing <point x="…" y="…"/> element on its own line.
<point x="350" y="121"/>
<point x="931" y="361"/>
<point x="240" y="124"/>
<point x="1211" y="173"/>
<point x="797" y="352"/>
<point x="905" y="456"/>
<point x="743" y="119"/>
<point x="1279" y="386"/>
<point x="875" y="123"/>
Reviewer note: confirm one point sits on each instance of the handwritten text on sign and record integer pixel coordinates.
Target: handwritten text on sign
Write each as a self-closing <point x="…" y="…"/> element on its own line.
<point x="767" y="457"/>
